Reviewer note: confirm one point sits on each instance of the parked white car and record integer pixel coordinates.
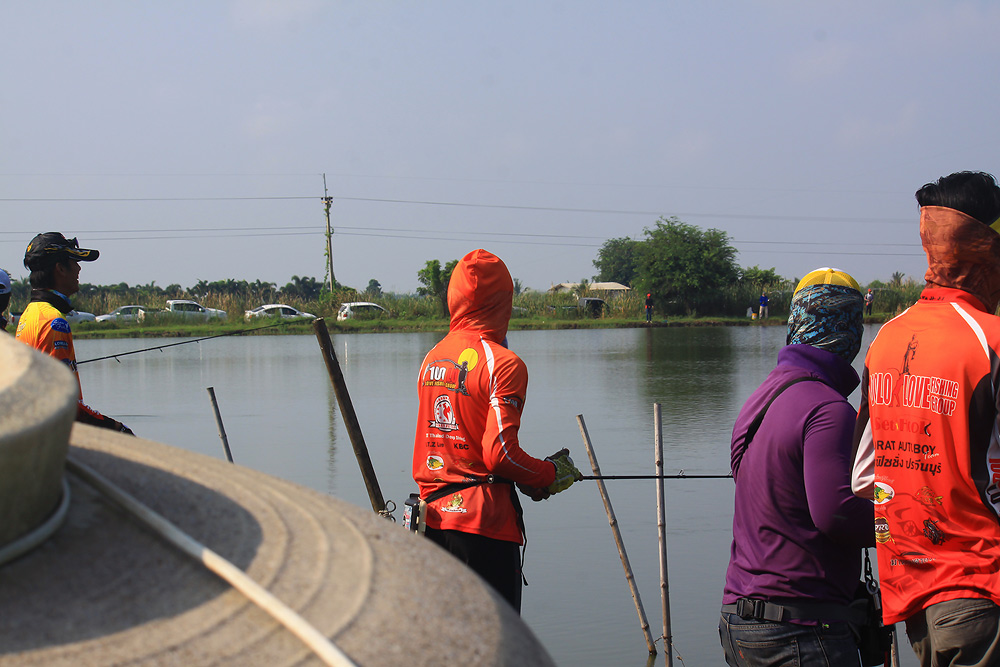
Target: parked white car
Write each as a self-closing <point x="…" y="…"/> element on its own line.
<point x="193" y="309"/>
<point x="75" y="316"/>
<point x="360" y="309"/>
<point x="72" y="317"/>
<point x="124" y="314"/>
<point x="277" y="310"/>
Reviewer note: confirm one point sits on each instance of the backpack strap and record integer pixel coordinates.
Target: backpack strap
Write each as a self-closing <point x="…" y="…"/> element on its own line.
<point x="759" y="419"/>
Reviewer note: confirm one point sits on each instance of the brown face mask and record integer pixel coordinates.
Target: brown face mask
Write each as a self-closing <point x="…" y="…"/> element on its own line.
<point x="962" y="253"/>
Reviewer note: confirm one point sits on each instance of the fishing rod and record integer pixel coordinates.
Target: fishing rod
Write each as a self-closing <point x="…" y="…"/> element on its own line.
<point x="681" y="475"/>
<point x="183" y="342"/>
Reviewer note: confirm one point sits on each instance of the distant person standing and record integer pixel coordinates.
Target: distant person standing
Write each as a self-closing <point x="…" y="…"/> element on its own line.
<point x="649" y="306"/>
<point x="54" y="263"/>
<point x="4" y="298"/>
<point x="763" y="305"/>
<point x="869" y="300"/>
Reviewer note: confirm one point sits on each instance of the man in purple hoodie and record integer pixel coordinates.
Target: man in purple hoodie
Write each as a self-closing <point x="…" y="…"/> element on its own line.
<point x="798" y="530"/>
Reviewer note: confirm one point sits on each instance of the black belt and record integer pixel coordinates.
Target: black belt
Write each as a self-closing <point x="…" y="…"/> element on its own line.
<point x="762" y="610"/>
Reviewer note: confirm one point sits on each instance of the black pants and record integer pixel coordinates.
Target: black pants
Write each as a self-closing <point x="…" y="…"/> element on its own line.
<point x="496" y="561"/>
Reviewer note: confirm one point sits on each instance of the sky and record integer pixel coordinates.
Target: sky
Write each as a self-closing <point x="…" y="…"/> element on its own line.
<point x="189" y="140"/>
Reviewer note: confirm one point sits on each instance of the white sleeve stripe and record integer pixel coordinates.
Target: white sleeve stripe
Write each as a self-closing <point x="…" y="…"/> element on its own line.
<point x="863" y="473"/>
<point x="993" y="450"/>
<point x="495" y="404"/>
<point x="978" y="331"/>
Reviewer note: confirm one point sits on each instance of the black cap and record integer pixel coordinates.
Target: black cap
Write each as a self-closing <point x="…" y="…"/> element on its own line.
<point x="52" y="247"/>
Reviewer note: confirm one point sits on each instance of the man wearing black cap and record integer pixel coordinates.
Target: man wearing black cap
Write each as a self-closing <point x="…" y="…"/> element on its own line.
<point x="54" y="263"/>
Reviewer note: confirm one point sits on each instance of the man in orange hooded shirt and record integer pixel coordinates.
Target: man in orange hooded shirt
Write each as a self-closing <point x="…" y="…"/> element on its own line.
<point x="927" y="437"/>
<point x="466" y="454"/>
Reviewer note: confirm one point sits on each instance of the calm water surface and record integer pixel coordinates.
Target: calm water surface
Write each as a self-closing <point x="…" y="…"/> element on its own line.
<point x="281" y="418"/>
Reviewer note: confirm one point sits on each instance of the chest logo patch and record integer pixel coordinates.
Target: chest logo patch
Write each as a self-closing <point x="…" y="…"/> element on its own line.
<point x="444" y="414"/>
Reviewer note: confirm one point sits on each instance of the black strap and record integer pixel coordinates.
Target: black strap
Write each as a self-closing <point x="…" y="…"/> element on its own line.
<point x="765" y="610"/>
<point x="759" y="419"/>
<point x="755" y="424"/>
<point x="465" y="484"/>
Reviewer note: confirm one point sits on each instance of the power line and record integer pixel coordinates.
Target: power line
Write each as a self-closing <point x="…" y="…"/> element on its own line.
<point x="144" y="199"/>
<point x="564" y="240"/>
<point x="515" y="207"/>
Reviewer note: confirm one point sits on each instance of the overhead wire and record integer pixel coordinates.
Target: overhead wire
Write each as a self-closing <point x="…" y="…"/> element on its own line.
<point x="527" y="238"/>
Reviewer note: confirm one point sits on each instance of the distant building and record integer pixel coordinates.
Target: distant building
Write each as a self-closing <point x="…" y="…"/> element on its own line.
<point x="610" y="289"/>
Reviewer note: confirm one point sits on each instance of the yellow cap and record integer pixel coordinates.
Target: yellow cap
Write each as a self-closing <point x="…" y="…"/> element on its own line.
<point x="828" y="276"/>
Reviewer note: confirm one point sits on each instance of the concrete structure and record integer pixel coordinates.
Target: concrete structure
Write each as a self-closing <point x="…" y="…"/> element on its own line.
<point x="106" y="590"/>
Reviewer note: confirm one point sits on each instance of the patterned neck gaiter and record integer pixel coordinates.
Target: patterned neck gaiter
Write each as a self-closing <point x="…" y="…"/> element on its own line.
<point x="828" y="317"/>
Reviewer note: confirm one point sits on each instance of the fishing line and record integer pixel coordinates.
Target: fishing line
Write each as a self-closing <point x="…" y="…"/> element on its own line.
<point x="183" y="342"/>
<point x="681" y="475"/>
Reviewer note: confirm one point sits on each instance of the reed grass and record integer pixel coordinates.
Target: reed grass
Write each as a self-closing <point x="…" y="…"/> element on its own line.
<point x="532" y="310"/>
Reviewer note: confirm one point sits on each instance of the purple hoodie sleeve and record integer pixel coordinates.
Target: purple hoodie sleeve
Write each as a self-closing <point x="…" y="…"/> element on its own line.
<point x="826" y="468"/>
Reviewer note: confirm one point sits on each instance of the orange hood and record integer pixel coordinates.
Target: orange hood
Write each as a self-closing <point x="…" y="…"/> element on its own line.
<point x="480" y="295"/>
<point x="962" y="253"/>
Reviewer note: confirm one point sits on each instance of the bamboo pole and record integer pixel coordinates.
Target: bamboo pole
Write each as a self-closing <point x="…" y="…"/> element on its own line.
<point x="218" y="421"/>
<point x="350" y="417"/>
<point x="650" y="644"/>
<point x="661" y="527"/>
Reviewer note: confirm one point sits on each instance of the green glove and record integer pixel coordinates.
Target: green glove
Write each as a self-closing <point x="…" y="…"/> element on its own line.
<point x="566" y="472"/>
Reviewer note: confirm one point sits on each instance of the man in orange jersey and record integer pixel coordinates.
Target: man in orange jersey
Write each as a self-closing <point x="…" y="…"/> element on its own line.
<point x="466" y="454"/>
<point x="926" y="439"/>
<point x="54" y="263"/>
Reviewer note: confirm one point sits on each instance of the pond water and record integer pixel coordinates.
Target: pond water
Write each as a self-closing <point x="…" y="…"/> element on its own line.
<point x="281" y="418"/>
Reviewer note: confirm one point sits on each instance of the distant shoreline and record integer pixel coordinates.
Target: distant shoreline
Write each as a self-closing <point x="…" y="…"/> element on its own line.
<point x="88" y="331"/>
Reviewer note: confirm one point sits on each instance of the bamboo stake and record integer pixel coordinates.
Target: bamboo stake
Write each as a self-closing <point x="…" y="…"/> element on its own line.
<point x="350" y="417"/>
<point x="618" y="537"/>
<point x="218" y="421"/>
<point x="661" y="527"/>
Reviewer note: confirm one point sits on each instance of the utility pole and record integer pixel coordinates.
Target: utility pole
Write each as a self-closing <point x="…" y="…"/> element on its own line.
<point x="327" y="203"/>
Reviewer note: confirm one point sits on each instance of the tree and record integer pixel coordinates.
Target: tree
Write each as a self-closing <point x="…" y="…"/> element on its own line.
<point x="681" y="261"/>
<point x="617" y="261"/>
<point x="435" y="281"/>
<point x="582" y="288"/>
<point x="754" y="275"/>
<point x="304" y="288"/>
<point x="897" y="279"/>
<point x="374" y="288"/>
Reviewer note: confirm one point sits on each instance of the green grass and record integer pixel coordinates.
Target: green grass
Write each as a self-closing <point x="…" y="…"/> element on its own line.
<point x="109" y="330"/>
<point x="535" y="311"/>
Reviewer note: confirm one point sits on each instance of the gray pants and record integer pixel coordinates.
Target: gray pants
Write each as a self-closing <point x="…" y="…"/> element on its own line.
<point x="956" y="633"/>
